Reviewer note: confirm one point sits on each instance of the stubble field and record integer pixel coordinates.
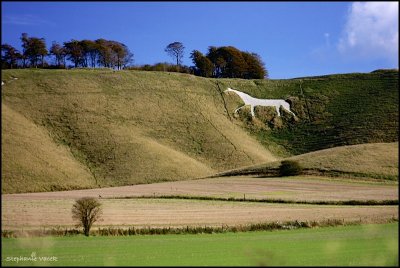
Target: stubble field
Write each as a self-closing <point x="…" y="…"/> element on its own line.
<point x="53" y="209"/>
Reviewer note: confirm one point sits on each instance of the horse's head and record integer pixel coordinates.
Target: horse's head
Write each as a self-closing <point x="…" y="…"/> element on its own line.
<point x="228" y="90"/>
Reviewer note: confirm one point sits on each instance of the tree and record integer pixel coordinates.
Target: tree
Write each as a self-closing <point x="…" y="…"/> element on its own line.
<point x="217" y="60"/>
<point x="255" y="66"/>
<point x="82" y="53"/>
<point x="90" y="52"/>
<point x="106" y="53"/>
<point x="122" y="54"/>
<point x="86" y="211"/>
<point x="230" y="62"/>
<point x="39" y="46"/>
<point x="75" y="52"/>
<point x="235" y="66"/>
<point x="9" y="56"/>
<point x="204" y="66"/>
<point x="34" y="49"/>
<point x="175" y="50"/>
<point x="24" y="40"/>
<point x="128" y="58"/>
<point x="59" y="52"/>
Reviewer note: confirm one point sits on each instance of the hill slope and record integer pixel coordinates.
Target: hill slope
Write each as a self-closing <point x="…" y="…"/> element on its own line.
<point x="374" y="160"/>
<point x="125" y="127"/>
<point x="31" y="160"/>
<point x="332" y="110"/>
<point x="130" y="127"/>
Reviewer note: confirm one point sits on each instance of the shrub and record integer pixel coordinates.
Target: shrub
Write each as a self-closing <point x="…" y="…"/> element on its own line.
<point x="289" y="168"/>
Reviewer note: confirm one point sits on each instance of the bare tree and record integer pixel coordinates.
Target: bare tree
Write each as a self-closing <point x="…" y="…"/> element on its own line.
<point x="86" y="211"/>
<point x="175" y="50"/>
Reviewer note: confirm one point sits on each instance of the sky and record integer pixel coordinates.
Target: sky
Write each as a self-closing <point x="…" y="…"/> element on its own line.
<point x="294" y="39"/>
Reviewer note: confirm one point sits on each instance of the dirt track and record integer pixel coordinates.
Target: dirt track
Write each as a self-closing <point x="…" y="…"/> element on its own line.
<point x="298" y="188"/>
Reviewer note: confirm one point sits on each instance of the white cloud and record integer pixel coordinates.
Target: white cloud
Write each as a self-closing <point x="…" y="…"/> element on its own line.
<point x="371" y="31"/>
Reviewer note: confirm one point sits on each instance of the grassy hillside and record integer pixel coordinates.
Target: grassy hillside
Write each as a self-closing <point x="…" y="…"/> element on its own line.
<point x="120" y="128"/>
<point x="375" y="160"/>
<point x="332" y="110"/>
<point x="96" y="128"/>
<point x="32" y="161"/>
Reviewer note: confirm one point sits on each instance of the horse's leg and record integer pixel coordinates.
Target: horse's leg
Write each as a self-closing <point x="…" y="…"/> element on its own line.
<point x="288" y="109"/>
<point x="252" y="110"/>
<point x="238" y="109"/>
<point x="277" y="110"/>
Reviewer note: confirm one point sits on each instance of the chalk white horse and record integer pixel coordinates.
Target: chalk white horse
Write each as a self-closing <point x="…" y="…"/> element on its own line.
<point x="249" y="100"/>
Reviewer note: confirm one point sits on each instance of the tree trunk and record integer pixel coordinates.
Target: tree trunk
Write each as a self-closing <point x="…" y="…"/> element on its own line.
<point x="86" y="231"/>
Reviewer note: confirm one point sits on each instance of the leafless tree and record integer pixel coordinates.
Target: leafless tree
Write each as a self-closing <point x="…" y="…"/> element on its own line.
<point x="175" y="50"/>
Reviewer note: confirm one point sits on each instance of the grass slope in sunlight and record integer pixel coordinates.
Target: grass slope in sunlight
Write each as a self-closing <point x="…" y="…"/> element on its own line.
<point x="124" y="128"/>
<point x="374" y="160"/>
<point x="83" y="128"/>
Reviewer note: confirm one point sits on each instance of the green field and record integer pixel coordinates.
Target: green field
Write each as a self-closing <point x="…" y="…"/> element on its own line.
<point x="361" y="245"/>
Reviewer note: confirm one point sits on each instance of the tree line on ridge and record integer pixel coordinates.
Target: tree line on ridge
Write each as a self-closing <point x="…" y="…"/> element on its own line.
<point x="218" y="62"/>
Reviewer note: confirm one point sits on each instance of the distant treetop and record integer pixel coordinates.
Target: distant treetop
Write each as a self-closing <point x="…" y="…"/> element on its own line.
<point x="228" y="62"/>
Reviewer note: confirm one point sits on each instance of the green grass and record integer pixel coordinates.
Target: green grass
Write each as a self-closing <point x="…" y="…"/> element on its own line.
<point x="363" y="245"/>
<point x="334" y="110"/>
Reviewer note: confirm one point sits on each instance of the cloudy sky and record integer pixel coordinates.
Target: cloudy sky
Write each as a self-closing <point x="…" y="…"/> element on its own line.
<point x="294" y="39"/>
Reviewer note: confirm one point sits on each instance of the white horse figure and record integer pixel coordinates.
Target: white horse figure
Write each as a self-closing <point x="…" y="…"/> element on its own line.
<point x="249" y="100"/>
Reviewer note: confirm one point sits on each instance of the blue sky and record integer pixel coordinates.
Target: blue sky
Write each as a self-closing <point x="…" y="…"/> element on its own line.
<point x="294" y="39"/>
